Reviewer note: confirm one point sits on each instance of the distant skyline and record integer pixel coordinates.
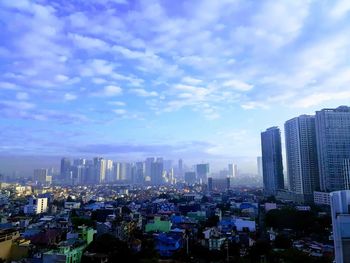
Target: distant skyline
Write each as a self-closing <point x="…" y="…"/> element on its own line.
<point x="197" y="80"/>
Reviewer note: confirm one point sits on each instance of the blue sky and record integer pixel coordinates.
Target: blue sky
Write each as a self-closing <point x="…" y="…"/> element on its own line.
<point x="192" y="79"/>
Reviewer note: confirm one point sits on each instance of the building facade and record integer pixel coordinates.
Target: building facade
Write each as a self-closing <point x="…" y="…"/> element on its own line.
<point x="301" y="153"/>
<point x="272" y="160"/>
<point x="333" y="147"/>
<point x="340" y="203"/>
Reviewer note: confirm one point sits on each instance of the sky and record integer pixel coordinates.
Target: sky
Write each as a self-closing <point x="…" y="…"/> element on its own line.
<point x="192" y="79"/>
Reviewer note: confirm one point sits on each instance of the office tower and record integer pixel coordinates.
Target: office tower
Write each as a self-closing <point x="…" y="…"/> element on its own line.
<point x="78" y="174"/>
<point x="333" y="146"/>
<point x="157" y="172"/>
<point x="41" y="176"/>
<point x="65" y="169"/>
<point x="340" y="204"/>
<point x="301" y="152"/>
<point x="116" y="172"/>
<point x="190" y="177"/>
<point x="100" y="166"/>
<point x="259" y="165"/>
<point x="139" y="173"/>
<point x="232" y="170"/>
<point x="272" y="160"/>
<point x="109" y="171"/>
<point x="180" y="168"/>
<point x="202" y="171"/>
<point x="148" y="167"/>
<point x="125" y="172"/>
<point x="91" y="171"/>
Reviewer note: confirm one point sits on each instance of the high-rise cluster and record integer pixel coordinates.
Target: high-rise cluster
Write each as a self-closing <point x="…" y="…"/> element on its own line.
<point x="317" y="154"/>
<point x="154" y="171"/>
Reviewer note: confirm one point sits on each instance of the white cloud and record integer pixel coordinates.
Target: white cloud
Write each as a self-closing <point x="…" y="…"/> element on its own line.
<point x="117" y="103"/>
<point x="318" y="98"/>
<point x="340" y="9"/>
<point x="191" y="81"/>
<point x="119" y="111"/>
<point x="109" y="91"/>
<point x="89" y="43"/>
<point x="8" y="85"/>
<point x="237" y="85"/>
<point x="144" y="93"/>
<point x="96" y="67"/>
<point x="22" y="96"/>
<point x="70" y="96"/>
<point x="61" y="78"/>
<point x="99" y="80"/>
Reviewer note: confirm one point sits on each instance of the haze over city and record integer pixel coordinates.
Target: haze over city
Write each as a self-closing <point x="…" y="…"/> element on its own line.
<point x="197" y="80"/>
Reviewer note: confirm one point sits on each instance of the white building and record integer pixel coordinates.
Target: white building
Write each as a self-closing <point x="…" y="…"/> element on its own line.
<point x="36" y="206"/>
<point x="340" y="202"/>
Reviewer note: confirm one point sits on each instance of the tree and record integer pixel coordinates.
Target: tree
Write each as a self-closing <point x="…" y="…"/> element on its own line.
<point x="212" y="221"/>
<point x="283" y="242"/>
<point x="108" y="245"/>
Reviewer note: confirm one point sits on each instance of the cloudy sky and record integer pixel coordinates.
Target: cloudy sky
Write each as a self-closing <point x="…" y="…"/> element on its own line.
<point x="192" y="79"/>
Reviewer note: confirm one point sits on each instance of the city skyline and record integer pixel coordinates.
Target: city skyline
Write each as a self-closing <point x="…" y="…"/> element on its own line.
<point x="131" y="79"/>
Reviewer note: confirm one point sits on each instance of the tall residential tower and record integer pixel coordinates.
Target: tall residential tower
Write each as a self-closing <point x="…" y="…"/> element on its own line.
<point x="333" y="147"/>
<point x="301" y="153"/>
<point x="272" y="160"/>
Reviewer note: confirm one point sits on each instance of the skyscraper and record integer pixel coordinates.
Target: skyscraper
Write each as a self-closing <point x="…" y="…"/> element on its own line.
<point x="125" y="171"/>
<point x="109" y="171"/>
<point x="340" y="204"/>
<point x="333" y="147"/>
<point x="148" y="167"/>
<point x="202" y="171"/>
<point x="66" y="167"/>
<point x="139" y="173"/>
<point x="232" y="170"/>
<point x="301" y="152"/>
<point x="41" y="176"/>
<point x="180" y="168"/>
<point x="100" y="166"/>
<point x="272" y="160"/>
<point x="259" y="165"/>
<point x="157" y="172"/>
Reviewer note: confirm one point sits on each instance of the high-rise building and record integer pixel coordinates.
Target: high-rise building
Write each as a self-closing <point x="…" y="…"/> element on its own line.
<point x="41" y="176"/>
<point x="116" y="171"/>
<point x="190" y="177"/>
<point x="272" y="160"/>
<point x="232" y="170"/>
<point x="202" y="171"/>
<point x="100" y="166"/>
<point x="333" y="147"/>
<point x="259" y="165"/>
<point x="109" y="171"/>
<point x="66" y="167"/>
<point x="139" y="173"/>
<point x="301" y="153"/>
<point x="125" y="171"/>
<point x="340" y="210"/>
<point x="79" y="172"/>
<point x="180" y="168"/>
<point x="148" y="168"/>
<point x="157" y="172"/>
